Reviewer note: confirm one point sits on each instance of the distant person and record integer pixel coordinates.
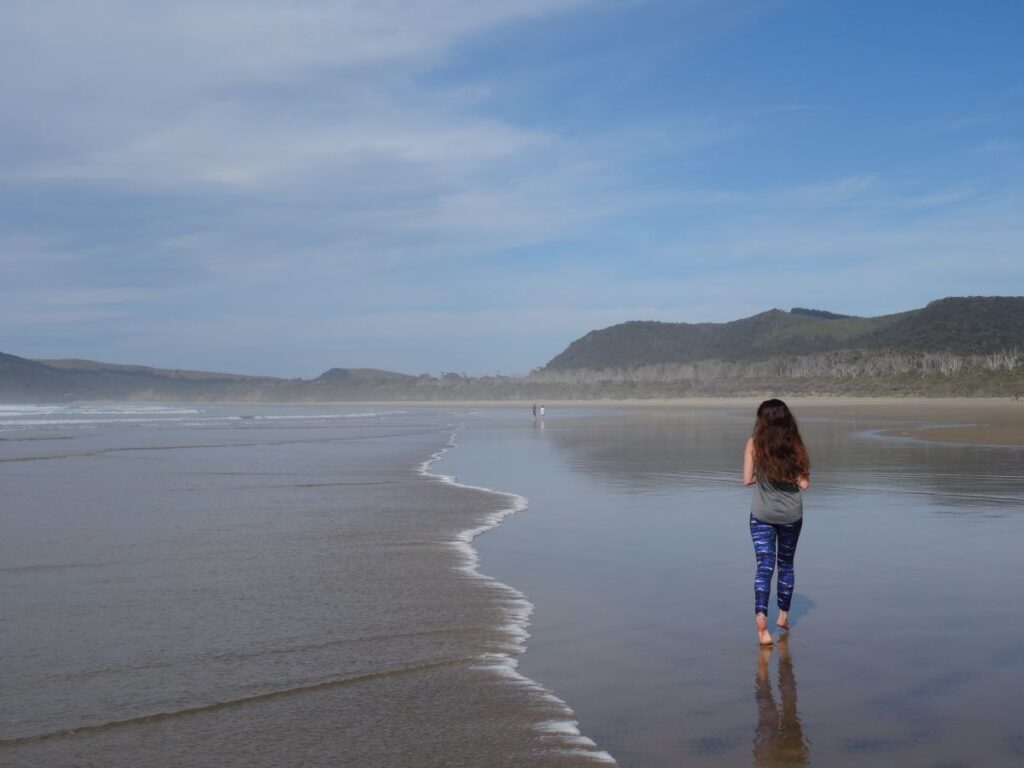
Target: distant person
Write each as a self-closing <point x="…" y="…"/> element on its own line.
<point x="776" y="460"/>
<point x="542" y="411"/>
<point x="535" y="410"/>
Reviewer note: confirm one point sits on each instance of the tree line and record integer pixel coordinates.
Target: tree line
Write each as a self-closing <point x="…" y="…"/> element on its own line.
<point x="846" y="364"/>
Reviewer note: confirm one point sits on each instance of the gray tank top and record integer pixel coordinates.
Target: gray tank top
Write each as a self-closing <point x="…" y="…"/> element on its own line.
<point x="777" y="503"/>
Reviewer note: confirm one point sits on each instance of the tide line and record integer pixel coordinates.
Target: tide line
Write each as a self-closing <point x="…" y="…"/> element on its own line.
<point x="563" y="734"/>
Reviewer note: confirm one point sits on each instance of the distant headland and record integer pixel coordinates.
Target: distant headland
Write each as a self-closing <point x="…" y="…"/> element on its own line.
<point x="953" y="347"/>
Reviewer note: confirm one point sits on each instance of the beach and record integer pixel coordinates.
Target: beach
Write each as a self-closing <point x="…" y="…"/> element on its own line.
<point x="378" y="384"/>
<point x="903" y="646"/>
<point x="460" y="584"/>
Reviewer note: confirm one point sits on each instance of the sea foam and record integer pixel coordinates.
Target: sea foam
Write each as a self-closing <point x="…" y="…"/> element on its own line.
<point x="563" y="734"/>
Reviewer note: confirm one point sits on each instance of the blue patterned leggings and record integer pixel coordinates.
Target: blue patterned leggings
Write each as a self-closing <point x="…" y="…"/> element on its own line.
<point x="767" y="538"/>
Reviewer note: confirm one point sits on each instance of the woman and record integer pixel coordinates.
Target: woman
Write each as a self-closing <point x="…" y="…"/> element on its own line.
<point x="776" y="460"/>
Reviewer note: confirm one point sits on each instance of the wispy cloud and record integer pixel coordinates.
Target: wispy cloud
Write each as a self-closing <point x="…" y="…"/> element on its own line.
<point x="281" y="187"/>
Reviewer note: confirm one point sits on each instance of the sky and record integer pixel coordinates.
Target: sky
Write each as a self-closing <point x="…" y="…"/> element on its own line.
<point x="470" y="185"/>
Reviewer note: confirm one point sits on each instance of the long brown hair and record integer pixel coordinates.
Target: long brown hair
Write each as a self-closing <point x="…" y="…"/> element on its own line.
<point x="780" y="455"/>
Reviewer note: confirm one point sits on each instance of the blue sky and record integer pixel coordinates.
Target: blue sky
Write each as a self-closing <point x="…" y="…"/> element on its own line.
<point x="469" y="185"/>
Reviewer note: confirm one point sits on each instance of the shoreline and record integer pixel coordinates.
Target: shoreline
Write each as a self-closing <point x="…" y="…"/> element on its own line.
<point x="811" y="400"/>
<point x="981" y="421"/>
<point x="978" y="421"/>
<point x="700" y="401"/>
<point x="414" y="657"/>
<point x="997" y="422"/>
<point x="518" y="611"/>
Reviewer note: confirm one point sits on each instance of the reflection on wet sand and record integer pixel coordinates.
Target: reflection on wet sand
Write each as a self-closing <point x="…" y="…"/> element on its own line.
<point x="778" y="737"/>
<point x="638" y="523"/>
<point x="658" y="451"/>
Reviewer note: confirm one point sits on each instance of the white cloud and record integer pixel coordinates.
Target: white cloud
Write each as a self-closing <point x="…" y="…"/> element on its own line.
<point x="135" y="89"/>
<point x="217" y="180"/>
<point x="239" y="146"/>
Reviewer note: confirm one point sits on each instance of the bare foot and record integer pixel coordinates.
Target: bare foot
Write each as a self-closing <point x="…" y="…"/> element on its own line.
<point x="763" y="635"/>
<point x="783" y="620"/>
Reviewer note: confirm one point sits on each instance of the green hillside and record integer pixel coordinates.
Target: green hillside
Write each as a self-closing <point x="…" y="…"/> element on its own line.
<point x="36" y="381"/>
<point x="22" y="380"/>
<point x="29" y="381"/>
<point x="363" y="377"/>
<point x="967" y="326"/>
<point x="973" y="325"/>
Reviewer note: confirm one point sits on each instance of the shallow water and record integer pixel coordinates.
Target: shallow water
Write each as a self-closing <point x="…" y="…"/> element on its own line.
<point x="257" y="586"/>
<point x="906" y="624"/>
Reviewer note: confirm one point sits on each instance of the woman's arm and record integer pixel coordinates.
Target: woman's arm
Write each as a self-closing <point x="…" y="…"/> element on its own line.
<point x="748" y="463"/>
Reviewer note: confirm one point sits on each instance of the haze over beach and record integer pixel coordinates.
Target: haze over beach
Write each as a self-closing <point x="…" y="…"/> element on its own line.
<point x="375" y="380"/>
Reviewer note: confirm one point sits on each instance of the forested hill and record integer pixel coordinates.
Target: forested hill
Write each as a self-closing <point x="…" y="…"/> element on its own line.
<point x="952" y="347"/>
<point x="958" y="326"/>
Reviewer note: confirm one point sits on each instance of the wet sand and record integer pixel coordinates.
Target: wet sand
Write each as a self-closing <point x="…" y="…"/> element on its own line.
<point x="970" y="421"/>
<point x="964" y="421"/>
<point x="904" y="643"/>
<point x="987" y="434"/>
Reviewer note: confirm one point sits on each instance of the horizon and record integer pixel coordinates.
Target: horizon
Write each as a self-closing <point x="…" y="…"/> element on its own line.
<point x="277" y="191"/>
